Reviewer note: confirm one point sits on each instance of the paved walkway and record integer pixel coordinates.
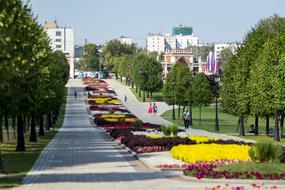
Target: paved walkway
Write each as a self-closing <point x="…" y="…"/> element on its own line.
<point x="140" y="110"/>
<point x="82" y="157"/>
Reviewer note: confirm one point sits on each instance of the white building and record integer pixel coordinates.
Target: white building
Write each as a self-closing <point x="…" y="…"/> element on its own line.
<point x="156" y="42"/>
<point x="219" y="47"/>
<point x="164" y="42"/>
<point x="185" y="41"/>
<point x="126" y="40"/>
<point x="62" y="38"/>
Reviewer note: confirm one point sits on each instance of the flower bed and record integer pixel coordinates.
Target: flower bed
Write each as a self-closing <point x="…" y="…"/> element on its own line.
<point x="198" y="139"/>
<point x="210" y="152"/>
<point x="207" y="170"/>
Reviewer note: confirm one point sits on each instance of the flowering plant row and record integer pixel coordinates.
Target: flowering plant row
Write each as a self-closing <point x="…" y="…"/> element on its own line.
<point x="198" y="139"/>
<point x="138" y="142"/>
<point x="207" y="170"/>
<point x="210" y="152"/>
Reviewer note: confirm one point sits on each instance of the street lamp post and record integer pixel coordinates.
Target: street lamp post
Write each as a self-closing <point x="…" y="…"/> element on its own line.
<point x="216" y="93"/>
<point x="190" y="102"/>
<point x="173" y="99"/>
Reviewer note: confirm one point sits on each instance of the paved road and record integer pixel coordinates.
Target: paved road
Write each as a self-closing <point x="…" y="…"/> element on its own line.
<point x="140" y="110"/>
<point x="82" y="157"/>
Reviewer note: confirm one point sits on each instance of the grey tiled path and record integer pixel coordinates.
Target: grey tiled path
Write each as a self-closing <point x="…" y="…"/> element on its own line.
<point x="81" y="157"/>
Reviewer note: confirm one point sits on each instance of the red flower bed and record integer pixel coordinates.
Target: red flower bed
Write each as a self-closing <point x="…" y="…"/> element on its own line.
<point x="206" y="170"/>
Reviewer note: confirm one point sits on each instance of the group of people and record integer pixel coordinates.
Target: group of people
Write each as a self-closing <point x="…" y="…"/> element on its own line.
<point x="186" y="119"/>
<point x="152" y="109"/>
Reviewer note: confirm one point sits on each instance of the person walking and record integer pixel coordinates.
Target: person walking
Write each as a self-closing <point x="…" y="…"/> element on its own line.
<point x="184" y="118"/>
<point x="75" y="94"/>
<point x="149" y="110"/>
<point x="125" y="98"/>
<point x="187" y="119"/>
<point x="154" y="109"/>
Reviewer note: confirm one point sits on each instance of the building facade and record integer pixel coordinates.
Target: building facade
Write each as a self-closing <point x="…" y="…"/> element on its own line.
<point x="181" y="38"/>
<point x="182" y="30"/>
<point x="62" y="38"/>
<point x="126" y="40"/>
<point x="174" y="56"/>
<point x="219" y="47"/>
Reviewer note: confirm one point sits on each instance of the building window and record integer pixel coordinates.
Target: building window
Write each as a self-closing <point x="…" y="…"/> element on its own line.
<point x="58" y="33"/>
<point x="58" y="46"/>
<point x="58" y="40"/>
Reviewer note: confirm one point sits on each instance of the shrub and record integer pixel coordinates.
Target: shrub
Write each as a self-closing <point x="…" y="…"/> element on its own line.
<point x="265" y="152"/>
<point x="162" y="128"/>
<point x="167" y="131"/>
<point x="137" y="124"/>
<point x="174" y="130"/>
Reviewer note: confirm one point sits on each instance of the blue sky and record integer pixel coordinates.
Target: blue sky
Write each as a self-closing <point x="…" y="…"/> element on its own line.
<point x="101" y="20"/>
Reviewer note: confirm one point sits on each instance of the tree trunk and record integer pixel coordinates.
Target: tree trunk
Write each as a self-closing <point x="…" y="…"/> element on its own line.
<point x="41" y="126"/>
<point x="267" y="126"/>
<point x="132" y="84"/>
<point x="14" y="126"/>
<point x="276" y="131"/>
<point x="256" y="126"/>
<point x="140" y="94"/>
<point x="1" y="163"/>
<point x="241" y="127"/>
<point x="1" y="128"/>
<point x="191" y="118"/>
<point x="136" y="88"/>
<point x="24" y="123"/>
<point x="48" y="121"/>
<point x="33" y="135"/>
<point x="6" y="124"/>
<point x="121" y="78"/>
<point x="151" y="94"/>
<point x="20" y="134"/>
<point x="282" y="126"/>
<point x="143" y="95"/>
<point x="147" y="94"/>
<point x="199" y="115"/>
<point x="178" y="115"/>
<point x="238" y="125"/>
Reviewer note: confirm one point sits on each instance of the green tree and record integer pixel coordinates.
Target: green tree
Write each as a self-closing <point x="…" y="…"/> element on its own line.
<point x="226" y="55"/>
<point x="237" y="78"/>
<point x="91" y="58"/>
<point x="202" y="95"/>
<point x="114" y="48"/>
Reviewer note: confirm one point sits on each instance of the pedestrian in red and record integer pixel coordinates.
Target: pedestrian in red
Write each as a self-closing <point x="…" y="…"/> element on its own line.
<point x="149" y="109"/>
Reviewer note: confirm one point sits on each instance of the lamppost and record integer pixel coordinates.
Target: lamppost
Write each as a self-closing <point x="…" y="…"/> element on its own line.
<point x="190" y="101"/>
<point x="216" y="94"/>
<point x="173" y="99"/>
<point x="143" y="73"/>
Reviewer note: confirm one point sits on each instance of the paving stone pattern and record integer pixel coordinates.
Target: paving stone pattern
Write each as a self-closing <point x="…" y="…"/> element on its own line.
<point x="82" y="157"/>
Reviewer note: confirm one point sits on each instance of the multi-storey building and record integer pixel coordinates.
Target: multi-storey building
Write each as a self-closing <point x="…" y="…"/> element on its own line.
<point x="219" y="47"/>
<point x="156" y="42"/>
<point x="126" y="40"/>
<point x="61" y="38"/>
<point x="181" y="38"/>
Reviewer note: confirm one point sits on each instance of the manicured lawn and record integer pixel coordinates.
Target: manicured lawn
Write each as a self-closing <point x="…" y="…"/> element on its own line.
<point x="252" y="166"/>
<point x="227" y="122"/>
<point x="264" y="138"/>
<point x="156" y="96"/>
<point x="18" y="164"/>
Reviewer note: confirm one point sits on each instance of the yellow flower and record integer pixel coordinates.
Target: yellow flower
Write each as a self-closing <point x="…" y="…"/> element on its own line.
<point x="210" y="152"/>
<point x="201" y="139"/>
